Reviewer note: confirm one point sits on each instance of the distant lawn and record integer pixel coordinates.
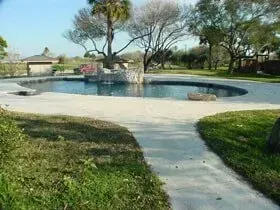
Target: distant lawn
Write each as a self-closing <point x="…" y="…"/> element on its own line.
<point x="220" y="73"/>
<point x="77" y="163"/>
<point x="239" y="138"/>
<point x="12" y="69"/>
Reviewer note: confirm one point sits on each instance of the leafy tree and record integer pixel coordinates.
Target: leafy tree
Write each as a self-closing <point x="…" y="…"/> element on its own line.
<point x="176" y="57"/>
<point x="202" y="22"/>
<point x="210" y="36"/>
<point x="162" y="57"/>
<point x="201" y="55"/>
<point x="189" y="59"/>
<point x="62" y="59"/>
<point x="238" y="22"/>
<point x="260" y="42"/>
<point x="235" y="21"/>
<point x="195" y="57"/>
<point x="3" y="45"/>
<point x="113" y="11"/>
<point x="89" y="55"/>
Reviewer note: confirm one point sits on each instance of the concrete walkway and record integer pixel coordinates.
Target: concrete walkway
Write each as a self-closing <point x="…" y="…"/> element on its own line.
<point x="166" y="129"/>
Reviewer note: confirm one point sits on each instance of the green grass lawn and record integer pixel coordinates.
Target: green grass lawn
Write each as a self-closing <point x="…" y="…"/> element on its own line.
<point x="239" y="138"/>
<point x="77" y="163"/>
<point x="220" y="73"/>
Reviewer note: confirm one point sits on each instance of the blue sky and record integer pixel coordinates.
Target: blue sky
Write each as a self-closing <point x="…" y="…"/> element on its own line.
<point x="30" y="25"/>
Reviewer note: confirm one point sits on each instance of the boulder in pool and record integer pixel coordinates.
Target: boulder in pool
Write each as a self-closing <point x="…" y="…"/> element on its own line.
<point x="202" y="97"/>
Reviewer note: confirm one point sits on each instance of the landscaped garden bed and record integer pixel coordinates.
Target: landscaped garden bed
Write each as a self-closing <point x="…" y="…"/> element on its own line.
<point x="239" y="138"/>
<point x="60" y="162"/>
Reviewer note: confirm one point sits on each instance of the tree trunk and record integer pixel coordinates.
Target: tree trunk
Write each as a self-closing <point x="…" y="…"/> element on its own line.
<point x="189" y="65"/>
<point x="109" y="60"/>
<point x="147" y="61"/>
<point x="210" y="57"/>
<point x="216" y="65"/>
<point x="146" y="66"/>
<point x="239" y="63"/>
<point x="231" y="65"/>
<point x="162" y="65"/>
<point x="273" y="143"/>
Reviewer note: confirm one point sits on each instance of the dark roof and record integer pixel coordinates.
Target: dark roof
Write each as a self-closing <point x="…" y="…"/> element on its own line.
<point x="116" y="60"/>
<point x="40" y="58"/>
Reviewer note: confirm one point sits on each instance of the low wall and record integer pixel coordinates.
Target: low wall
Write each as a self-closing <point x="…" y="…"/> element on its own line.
<point x="135" y="76"/>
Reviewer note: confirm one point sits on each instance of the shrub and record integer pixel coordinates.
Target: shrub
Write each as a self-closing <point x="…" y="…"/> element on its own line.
<point x="58" y="67"/>
<point x="77" y="71"/>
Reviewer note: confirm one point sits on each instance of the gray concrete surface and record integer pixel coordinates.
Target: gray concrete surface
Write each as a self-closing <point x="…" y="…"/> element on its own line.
<point x="166" y="130"/>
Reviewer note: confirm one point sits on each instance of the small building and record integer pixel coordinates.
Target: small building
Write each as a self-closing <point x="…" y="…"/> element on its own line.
<point x="39" y="65"/>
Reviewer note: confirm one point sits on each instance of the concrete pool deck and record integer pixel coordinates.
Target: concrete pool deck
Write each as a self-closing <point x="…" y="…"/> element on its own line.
<point x="194" y="177"/>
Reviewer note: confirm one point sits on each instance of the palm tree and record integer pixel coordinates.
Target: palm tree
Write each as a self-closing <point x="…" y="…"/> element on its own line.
<point x="113" y="10"/>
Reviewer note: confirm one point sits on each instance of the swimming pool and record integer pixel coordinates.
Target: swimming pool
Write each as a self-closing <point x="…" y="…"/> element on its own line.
<point x="156" y="89"/>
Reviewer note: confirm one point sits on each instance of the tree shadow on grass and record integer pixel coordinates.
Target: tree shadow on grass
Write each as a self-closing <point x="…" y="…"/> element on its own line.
<point x="72" y="129"/>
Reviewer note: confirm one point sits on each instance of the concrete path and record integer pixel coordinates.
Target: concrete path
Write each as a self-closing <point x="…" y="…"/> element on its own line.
<point x="166" y="129"/>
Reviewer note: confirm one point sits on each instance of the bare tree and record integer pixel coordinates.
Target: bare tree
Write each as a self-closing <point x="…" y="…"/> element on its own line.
<point x="12" y="61"/>
<point x="160" y="24"/>
<point x="87" y="28"/>
<point x="92" y="29"/>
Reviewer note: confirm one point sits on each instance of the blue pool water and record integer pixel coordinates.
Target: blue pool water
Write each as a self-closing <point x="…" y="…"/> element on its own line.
<point x="173" y="91"/>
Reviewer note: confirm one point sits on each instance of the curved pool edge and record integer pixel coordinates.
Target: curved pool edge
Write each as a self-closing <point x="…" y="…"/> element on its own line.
<point x="241" y="91"/>
<point x="148" y="80"/>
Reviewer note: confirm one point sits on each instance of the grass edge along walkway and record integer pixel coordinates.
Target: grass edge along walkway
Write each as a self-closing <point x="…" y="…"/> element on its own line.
<point x="239" y="139"/>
